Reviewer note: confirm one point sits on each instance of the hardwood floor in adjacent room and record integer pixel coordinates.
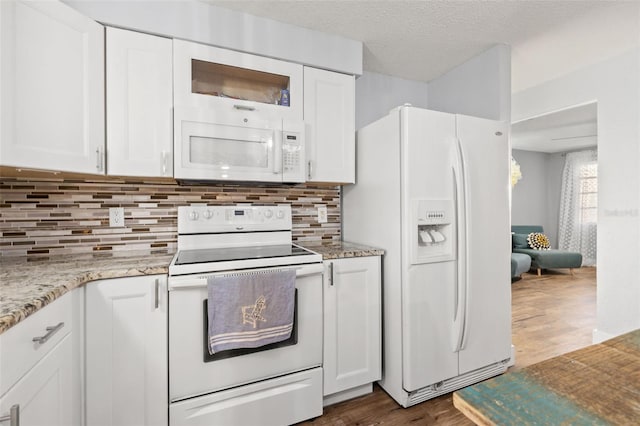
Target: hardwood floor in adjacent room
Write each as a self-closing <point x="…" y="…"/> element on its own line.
<point x="552" y="314"/>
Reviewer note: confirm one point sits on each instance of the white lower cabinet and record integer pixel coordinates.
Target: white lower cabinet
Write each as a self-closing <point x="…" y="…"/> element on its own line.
<point x="41" y="380"/>
<point x="352" y="327"/>
<point x="126" y="351"/>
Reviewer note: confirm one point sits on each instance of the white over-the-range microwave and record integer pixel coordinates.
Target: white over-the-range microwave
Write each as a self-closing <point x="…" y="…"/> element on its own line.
<point x="213" y="145"/>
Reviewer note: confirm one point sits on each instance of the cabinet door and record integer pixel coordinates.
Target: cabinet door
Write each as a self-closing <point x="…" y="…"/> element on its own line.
<point x="44" y="394"/>
<point x="51" y="88"/>
<point x="329" y="115"/>
<point x="352" y="321"/>
<point x="126" y="351"/>
<point x="222" y="81"/>
<point x="139" y="104"/>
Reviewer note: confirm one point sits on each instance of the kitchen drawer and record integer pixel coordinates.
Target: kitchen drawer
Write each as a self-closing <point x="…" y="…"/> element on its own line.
<point x="19" y="353"/>
<point x="284" y="400"/>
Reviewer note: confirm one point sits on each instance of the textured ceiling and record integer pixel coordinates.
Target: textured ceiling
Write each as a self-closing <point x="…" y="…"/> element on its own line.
<point x="422" y="39"/>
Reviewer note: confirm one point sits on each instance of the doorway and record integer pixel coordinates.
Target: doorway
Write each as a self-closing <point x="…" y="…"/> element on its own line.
<point x="556" y="154"/>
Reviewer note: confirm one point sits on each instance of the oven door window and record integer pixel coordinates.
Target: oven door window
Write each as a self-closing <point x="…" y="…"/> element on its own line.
<point x="292" y="340"/>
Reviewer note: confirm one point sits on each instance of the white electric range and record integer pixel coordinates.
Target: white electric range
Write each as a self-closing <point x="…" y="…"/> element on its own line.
<point x="273" y="385"/>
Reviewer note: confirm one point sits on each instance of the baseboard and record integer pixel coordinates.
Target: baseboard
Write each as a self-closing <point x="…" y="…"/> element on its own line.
<point x="600" y="336"/>
<point x="347" y="394"/>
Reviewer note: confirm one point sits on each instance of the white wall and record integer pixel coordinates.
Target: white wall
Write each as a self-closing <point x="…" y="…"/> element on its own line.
<point x="529" y="196"/>
<point x="555" y="165"/>
<point x="208" y="24"/>
<point x="615" y="85"/>
<point x="377" y="94"/>
<point x="535" y="200"/>
<point x="480" y="87"/>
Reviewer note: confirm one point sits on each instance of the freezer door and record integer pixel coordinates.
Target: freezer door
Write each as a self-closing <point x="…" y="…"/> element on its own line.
<point x="428" y="289"/>
<point x="486" y="337"/>
<point x="428" y="357"/>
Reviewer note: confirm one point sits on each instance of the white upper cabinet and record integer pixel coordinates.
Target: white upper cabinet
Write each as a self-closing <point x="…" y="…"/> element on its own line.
<point x="225" y="80"/>
<point x="139" y="104"/>
<point x="51" y="88"/>
<point x="329" y="115"/>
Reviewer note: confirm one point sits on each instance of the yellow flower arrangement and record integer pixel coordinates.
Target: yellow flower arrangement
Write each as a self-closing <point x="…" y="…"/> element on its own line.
<point x="516" y="175"/>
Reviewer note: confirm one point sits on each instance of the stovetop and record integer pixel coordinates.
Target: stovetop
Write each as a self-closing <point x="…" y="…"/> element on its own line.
<point x="231" y="238"/>
<point x="197" y="256"/>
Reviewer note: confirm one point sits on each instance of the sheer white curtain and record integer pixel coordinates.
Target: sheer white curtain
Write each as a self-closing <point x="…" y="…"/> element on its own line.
<point x="579" y="205"/>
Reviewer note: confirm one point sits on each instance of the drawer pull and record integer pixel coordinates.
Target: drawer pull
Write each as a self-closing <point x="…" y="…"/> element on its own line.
<point x="13" y="417"/>
<point x="50" y="332"/>
<point x="244" y="108"/>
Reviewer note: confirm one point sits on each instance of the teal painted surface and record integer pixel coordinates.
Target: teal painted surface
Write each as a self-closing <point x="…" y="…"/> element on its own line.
<point x="518" y="399"/>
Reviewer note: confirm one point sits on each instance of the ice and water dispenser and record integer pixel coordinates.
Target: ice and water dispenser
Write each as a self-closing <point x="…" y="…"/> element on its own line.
<point x="434" y="231"/>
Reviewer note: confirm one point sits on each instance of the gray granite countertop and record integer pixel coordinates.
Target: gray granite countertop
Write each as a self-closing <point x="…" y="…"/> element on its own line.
<point x="343" y="249"/>
<point x="28" y="285"/>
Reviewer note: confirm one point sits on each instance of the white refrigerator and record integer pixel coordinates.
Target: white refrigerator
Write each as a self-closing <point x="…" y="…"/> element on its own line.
<point x="432" y="190"/>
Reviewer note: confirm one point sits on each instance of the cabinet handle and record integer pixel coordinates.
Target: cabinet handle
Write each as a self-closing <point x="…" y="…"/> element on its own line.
<point x="157" y="293"/>
<point x="244" y="108"/>
<point x="98" y="160"/>
<point x="331" y="273"/>
<point x="50" y="332"/>
<point x="309" y="170"/>
<point x="164" y="162"/>
<point x="13" y="417"/>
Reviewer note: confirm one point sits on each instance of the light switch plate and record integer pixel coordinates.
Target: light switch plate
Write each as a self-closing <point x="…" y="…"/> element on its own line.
<point x="116" y="217"/>
<point x="322" y="214"/>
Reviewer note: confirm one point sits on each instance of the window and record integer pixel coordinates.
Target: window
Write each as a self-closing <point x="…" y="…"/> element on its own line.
<point x="588" y="203"/>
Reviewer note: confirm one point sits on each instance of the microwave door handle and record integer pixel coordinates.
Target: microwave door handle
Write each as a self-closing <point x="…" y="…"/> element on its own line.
<point x="277" y="153"/>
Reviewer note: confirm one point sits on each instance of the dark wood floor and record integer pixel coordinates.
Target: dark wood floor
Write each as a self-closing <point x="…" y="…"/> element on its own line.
<point x="552" y="314"/>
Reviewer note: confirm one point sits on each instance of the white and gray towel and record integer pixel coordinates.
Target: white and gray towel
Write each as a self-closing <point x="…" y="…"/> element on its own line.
<point x="250" y="310"/>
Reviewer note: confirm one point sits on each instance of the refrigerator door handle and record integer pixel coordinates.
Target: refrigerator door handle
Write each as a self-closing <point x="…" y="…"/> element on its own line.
<point x="460" y="195"/>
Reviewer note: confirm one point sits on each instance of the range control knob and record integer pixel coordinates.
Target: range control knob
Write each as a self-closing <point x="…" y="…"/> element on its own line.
<point x="194" y="215"/>
<point x="208" y="214"/>
<point x="268" y="214"/>
<point x="280" y="214"/>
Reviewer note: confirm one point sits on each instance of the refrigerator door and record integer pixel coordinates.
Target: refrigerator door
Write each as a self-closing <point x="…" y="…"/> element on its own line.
<point x="428" y="289"/>
<point x="486" y="336"/>
<point x="428" y="308"/>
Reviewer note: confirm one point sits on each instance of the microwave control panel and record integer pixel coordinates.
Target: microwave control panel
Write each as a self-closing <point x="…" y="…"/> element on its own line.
<point x="293" y="154"/>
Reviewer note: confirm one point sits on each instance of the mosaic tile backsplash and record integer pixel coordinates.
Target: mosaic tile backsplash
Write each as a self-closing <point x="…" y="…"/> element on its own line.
<point x="43" y="217"/>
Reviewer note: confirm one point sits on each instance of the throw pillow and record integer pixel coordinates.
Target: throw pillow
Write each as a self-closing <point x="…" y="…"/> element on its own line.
<point x="538" y="241"/>
<point x="519" y="241"/>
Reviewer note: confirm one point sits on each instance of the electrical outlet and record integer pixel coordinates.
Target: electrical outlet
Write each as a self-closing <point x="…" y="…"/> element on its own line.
<point x="322" y="214"/>
<point x="116" y="217"/>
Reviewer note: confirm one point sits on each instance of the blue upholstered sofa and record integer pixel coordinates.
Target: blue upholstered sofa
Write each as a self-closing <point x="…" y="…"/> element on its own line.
<point x="542" y="259"/>
<point x="520" y="263"/>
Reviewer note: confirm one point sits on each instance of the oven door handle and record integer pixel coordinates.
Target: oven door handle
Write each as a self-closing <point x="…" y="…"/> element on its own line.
<point x="200" y="280"/>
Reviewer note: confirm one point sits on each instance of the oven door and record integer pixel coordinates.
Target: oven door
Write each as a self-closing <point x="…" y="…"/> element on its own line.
<point x="191" y="373"/>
